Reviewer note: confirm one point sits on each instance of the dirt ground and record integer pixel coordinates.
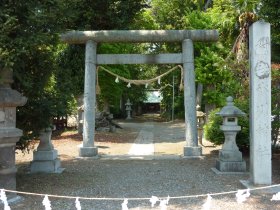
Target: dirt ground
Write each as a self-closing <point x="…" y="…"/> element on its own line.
<point x="169" y="140"/>
<point x="117" y="143"/>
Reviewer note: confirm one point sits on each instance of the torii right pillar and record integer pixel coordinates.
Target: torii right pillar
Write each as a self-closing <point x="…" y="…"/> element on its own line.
<point x="260" y="104"/>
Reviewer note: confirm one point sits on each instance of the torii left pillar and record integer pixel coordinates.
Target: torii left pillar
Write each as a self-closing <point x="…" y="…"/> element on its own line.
<point x="9" y="134"/>
<point x="88" y="149"/>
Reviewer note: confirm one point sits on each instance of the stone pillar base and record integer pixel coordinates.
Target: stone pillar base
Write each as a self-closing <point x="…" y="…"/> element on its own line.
<point x="192" y="152"/>
<point x="88" y="151"/>
<point x="231" y="166"/>
<point x="45" y="162"/>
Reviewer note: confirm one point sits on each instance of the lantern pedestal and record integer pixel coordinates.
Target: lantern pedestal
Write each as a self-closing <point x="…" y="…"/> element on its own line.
<point x="45" y="159"/>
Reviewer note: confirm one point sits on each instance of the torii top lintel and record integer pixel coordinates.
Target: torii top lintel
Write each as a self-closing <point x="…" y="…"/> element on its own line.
<point x="138" y="36"/>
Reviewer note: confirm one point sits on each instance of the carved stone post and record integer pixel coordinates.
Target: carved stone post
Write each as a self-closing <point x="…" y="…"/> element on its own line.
<point x="9" y="134"/>
<point x="260" y="103"/>
<point x="191" y="149"/>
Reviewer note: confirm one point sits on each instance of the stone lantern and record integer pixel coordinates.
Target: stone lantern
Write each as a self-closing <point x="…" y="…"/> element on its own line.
<point x="200" y="122"/>
<point x="128" y="109"/>
<point x="230" y="158"/>
<point x="9" y="134"/>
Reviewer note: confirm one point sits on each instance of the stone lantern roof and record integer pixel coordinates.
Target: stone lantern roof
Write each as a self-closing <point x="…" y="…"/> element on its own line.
<point x="230" y="110"/>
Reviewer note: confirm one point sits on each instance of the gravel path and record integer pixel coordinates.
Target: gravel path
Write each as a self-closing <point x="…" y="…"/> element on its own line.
<point x="144" y="144"/>
<point x="108" y="178"/>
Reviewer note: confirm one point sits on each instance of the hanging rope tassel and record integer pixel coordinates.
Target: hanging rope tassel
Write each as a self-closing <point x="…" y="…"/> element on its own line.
<point x="181" y="87"/>
<point x="97" y="87"/>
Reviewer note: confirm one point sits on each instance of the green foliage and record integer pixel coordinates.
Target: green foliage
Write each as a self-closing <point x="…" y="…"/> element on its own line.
<point x="275" y="104"/>
<point x="212" y="129"/>
<point x="47" y="72"/>
<point x="269" y="11"/>
<point x="27" y="45"/>
<point x="51" y="74"/>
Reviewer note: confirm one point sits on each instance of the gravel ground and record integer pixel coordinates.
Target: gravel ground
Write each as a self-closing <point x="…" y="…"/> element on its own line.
<point x="115" y="178"/>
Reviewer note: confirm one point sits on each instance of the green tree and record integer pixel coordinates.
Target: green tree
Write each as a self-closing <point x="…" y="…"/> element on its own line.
<point x="30" y="45"/>
<point x="28" y="41"/>
<point x="269" y="11"/>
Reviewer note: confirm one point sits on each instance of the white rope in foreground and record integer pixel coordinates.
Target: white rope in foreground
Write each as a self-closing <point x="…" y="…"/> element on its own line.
<point x="241" y="196"/>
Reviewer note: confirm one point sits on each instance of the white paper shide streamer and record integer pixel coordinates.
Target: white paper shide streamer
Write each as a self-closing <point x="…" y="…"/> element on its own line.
<point x="163" y="203"/>
<point x="3" y="198"/>
<point x="154" y="200"/>
<point x="207" y="204"/>
<point x="46" y="202"/>
<point x="276" y="197"/>
<point x="128" y="85"/>
<point x="124" y="204"/>
<point x="159" y="80"/>
<point x="117" y="80"/>
<point x="242" y="195"/>
<point x="78" y="204"/>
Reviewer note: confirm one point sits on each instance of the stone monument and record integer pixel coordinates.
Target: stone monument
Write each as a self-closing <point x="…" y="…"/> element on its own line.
<point x="9" y="134"/>
<point x="128" y="109"/>
<point x="230" y="158"/>
<point x="260" y="103"/>
<point x="45" y="158"/>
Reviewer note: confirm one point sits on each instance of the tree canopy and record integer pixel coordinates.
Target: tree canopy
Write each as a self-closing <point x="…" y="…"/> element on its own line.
<point x="51" y="73"/>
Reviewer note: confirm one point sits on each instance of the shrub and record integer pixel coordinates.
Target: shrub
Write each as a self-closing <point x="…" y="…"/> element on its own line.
<point x="214" y="134"/>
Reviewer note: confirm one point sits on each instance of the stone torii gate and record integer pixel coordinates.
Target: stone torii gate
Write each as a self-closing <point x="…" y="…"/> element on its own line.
<point x="92" y="59"/>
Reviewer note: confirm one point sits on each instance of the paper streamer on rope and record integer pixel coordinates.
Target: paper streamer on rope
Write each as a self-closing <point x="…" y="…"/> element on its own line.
<point x="242" y="195"/>
<point x="148" y="81"/>
<point x="128" y="85"/>
<point x="117" y="80"/>
<point x="46" y="202"/>
<point x="154" y="200"/>
<point x="207" y="204"/>
<point x="163" y="203"/>
<point x="78" y="204"/>
<point x="276" y="197"/>
<point x="146" y="85"/>
<point x="124" y="204"/>
<point x="3" y="198"/>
